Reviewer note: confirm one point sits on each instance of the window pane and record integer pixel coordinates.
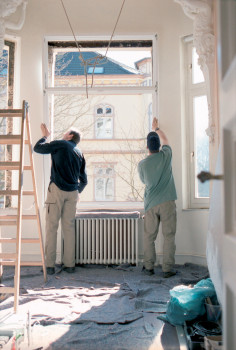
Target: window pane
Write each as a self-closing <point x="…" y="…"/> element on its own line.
<point x="104" y="188"/>
<point x="4" y="59"/>
<point x="3" y="126"/>
<point x="109" y="171"/>
<point x="150" y="117"/>
<point x="99" y="111"/>
<point x="108" y="110"/>
<point x="99" y="189"/>
<point x="104" y="128"/>
<point x="197" y="75"/>
<point x="121" y="65"/>
<point x="201" y="144"/>
<point x="7" y="125"/>
<point x="109" y="190"/>
<point x="121" y="153"/>
<point x="95" y="70"/>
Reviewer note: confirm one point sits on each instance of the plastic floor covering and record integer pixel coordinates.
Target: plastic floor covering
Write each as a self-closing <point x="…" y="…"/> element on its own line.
<point x="96" y="308"/>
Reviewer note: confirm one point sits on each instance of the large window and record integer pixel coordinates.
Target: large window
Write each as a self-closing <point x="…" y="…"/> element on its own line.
<point x="6" y="125"/>
<point x="107" y="95"/>
<point x="196" y="125"/>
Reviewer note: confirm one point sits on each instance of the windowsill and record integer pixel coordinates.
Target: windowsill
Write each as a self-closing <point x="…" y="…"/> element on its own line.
<point x="119" y="206"/>
<point x="195" y="209"/>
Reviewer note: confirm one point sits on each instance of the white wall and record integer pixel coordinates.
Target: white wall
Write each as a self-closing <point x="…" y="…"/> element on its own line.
<point x="91" y="17"/>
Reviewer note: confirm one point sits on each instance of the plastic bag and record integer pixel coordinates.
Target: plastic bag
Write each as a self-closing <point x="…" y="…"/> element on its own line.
<point x="187" y="303"/>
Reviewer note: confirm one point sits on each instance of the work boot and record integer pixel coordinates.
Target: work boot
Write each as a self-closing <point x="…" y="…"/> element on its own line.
<point x="69" y="269"/>
<point x="169" y="274"/>
<point x="50" y="270"/>
<point x="148" y="272"/>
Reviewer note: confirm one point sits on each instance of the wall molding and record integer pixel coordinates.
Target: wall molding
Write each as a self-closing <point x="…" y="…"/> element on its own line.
<point x="7" y="8"/>
<point x="201" y="12"/>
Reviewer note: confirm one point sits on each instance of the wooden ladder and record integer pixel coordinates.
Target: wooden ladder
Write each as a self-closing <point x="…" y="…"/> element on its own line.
<point x="14" y="259"/>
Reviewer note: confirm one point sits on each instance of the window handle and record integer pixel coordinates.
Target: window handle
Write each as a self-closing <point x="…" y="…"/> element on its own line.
<point x="191" y="156"/>
<point x="205" y="175"/>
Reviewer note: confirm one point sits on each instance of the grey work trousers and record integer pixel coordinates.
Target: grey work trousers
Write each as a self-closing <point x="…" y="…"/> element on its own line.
<point x="60" y="205"/>
<point x="166" y="214"/>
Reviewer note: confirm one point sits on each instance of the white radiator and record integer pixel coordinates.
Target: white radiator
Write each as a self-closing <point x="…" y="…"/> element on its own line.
<point x="107" y="238"/>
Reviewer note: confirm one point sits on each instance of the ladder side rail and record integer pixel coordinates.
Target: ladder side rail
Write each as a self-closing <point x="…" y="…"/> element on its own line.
<point x="19" y="210"/>
<point x="36" y="196"/>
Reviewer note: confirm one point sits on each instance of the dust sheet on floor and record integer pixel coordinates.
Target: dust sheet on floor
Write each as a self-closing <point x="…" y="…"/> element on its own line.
<point x="96" y="306"/>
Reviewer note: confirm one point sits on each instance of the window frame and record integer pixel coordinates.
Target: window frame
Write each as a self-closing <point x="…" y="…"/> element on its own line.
<point x="99" y="90"/>
<point x="109" y="90"/>
<point x="191" y="91"/>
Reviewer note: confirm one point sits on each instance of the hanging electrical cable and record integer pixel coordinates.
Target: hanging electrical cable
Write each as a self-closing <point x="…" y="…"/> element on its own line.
<point x="94" y="61"/>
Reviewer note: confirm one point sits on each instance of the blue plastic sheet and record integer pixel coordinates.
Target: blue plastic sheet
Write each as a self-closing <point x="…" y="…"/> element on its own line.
<point x="187" y="303"/>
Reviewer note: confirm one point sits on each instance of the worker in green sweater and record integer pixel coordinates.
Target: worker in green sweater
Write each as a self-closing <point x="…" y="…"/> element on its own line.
<point x="155" y="172"/>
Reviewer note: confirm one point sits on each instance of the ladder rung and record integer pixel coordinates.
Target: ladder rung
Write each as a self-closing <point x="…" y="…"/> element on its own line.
<point x="7" y="290"/>
<point x="7" y="240"/>
<point x="9" y="165"/>
<point x="23" y="240"/>
<point x="11" y="140"/>
<point x="10" y="256"/>
<point x="27" y="167"/>
<point x="22" y="263"/>
<point x="13" y="166"/>
<point x="15" y="193"/>
<point x="14" y="217"/>
<point x="11" y="112"/>
<point x="8" y="223"/>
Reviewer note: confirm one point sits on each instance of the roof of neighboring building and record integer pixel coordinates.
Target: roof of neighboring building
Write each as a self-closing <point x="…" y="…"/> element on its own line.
<point x="69" y="63"/>
<point x="137" y="64"/>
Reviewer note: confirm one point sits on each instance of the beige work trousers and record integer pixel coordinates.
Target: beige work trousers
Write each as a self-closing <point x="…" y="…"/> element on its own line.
<point x="60" y="205"/>
<point x="166" y="214"/>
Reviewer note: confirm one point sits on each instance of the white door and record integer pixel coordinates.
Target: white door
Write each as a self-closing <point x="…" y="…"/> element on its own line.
<point x="227" y="95"/>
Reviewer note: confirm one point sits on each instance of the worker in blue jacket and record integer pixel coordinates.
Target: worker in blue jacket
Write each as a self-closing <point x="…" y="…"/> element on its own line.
<point x="68" y="178"/>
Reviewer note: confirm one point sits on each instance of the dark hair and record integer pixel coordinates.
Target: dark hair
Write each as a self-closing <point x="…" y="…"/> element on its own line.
<point x="153" y="142"/>
<point x="76" y="135"/>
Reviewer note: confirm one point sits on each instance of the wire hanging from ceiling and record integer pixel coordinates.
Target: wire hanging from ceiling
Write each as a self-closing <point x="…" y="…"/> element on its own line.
<point x="94" y="61"/>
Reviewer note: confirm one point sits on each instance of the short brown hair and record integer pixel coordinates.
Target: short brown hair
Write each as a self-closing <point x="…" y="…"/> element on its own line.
<point x="76" y="135"/>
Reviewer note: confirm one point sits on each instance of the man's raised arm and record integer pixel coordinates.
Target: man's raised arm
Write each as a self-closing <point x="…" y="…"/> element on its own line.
<point x="161" y="134"/>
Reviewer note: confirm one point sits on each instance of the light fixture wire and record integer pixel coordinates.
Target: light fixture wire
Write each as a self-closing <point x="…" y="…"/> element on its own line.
<point x="97" y="59"/>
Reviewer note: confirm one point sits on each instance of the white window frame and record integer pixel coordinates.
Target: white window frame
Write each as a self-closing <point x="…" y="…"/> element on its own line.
<point x="191" y="91"/>
<point x="96" y="90"/>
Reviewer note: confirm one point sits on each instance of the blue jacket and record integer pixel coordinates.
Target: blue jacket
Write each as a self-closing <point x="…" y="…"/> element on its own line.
<point x="68" y="164"/>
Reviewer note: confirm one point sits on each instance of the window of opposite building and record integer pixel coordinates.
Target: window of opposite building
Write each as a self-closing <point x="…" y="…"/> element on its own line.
<point x="103" y="122"/>
<point x="104" y="183"/>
